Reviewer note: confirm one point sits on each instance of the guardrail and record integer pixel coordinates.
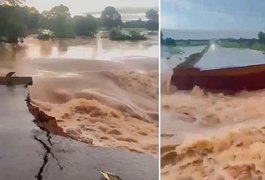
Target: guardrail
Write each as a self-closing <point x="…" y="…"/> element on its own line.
<point x="10" y="79"/>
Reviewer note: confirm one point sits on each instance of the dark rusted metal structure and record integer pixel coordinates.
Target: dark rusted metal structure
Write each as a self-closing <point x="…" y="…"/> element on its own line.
<point x="227" y="79"/>
<point x="9" y="79"/>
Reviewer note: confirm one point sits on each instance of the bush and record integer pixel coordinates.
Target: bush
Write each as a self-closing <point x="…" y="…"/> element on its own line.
<point x="117" y="35"/>
<point x="85" y="26"/>
<point x="152" y="25"/>
<point x="45" y="34"/>
<point x="243" y="43"/>
<point x="169" y="42"/>
<point x="261" y="36"/>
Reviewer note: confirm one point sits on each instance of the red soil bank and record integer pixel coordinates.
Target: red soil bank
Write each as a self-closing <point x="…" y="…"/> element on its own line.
<point x="227" y="79"/>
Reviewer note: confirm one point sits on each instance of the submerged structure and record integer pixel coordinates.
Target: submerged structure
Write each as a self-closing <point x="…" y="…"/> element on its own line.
<point x="10" y="79"/>
<point x="226" y="79"/>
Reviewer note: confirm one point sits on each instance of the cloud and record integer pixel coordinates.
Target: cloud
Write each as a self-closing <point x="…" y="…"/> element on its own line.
<point x="179" y="4"/>
<point x="191" y="14"/>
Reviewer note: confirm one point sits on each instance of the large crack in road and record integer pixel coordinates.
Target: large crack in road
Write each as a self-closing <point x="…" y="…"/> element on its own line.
<point x="47" y="145"/>
<point x="39" y="176"/>
<point x="48" y="149"/>
<point x="31" y="152"/>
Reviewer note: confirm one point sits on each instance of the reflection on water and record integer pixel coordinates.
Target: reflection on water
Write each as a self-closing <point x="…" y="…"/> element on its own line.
<point x="219" y="57"/>
<point x="35" y="56"/>
<point x="216" y="57"/>
<point x="96" y="49"/>
<point x="79" y="48"/>
<point x="9" y="54"/>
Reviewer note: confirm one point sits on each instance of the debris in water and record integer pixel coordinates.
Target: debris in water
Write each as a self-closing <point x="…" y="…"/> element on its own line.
<point x="109" y="176"/>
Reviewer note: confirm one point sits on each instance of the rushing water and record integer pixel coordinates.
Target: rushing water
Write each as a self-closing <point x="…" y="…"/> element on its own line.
<point x="218" y="57"/>
<point x="108" y="75"/>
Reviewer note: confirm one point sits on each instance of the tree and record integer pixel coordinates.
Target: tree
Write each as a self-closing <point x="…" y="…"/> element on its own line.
<point x="134" y="24"/>
<point x="30" y="17"/>
<point x="45" y="20"/>
<point x="17" y="22"/>
<point x="58" y="20"/>
<point x="12" y="2"/>
<point x="12" y="25"/>
<point x="85" y="26"/>
<point x="110" y="17"/>
<point x="169" y="42"/>
<point x="261" y="36"/>
<point x="60" y="10"/>
<point x="152" y="15"/>
<point x="152" y="25"/>
<point x="115" y="33"/>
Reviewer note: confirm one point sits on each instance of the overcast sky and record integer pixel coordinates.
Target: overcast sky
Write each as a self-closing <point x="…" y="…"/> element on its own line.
<point x="78" y="7"/>
<point x="213" y="14"/>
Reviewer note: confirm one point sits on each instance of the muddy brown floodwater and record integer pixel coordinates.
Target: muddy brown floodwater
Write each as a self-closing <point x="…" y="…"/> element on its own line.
<point x="27" y="152"/>
<point x="100" y="93"/>
<point x="211" y="135"/>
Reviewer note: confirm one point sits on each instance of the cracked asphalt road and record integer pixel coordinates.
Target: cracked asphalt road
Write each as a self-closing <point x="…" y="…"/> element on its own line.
<point x="26" y="152"/>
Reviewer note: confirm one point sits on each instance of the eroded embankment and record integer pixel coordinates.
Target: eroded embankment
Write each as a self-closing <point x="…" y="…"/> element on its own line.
<point x="44" y="121"/>
<point x="105" y="119"/>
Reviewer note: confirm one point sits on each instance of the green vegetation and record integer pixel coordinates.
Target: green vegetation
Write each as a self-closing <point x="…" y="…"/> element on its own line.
<point x="261" y="36"/>
<point x="12" y="2"/>
<point x="169" y="42"/>
<point x="255" y="44"/>
<point x="110" y="17"/>
<point x="117" y="34"/>
<point x="149" y="25"/>
<point x="58" y="20"/>
<point x="189" y="42"/>
<point x="86" y="26"/>
<point x="152" y="15"/>
<point x="17" y="22"/>
<point x="153" y="20"/>
<point x="173" y="42"/>
<point x="45" y="34"/>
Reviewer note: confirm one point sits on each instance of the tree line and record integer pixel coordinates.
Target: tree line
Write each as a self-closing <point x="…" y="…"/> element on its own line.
<point x="255" y="43"/>
<point x="17" y="22"/>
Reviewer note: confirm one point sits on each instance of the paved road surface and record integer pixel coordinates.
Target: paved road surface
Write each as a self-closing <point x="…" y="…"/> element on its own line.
<point x="27" y="153"/>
